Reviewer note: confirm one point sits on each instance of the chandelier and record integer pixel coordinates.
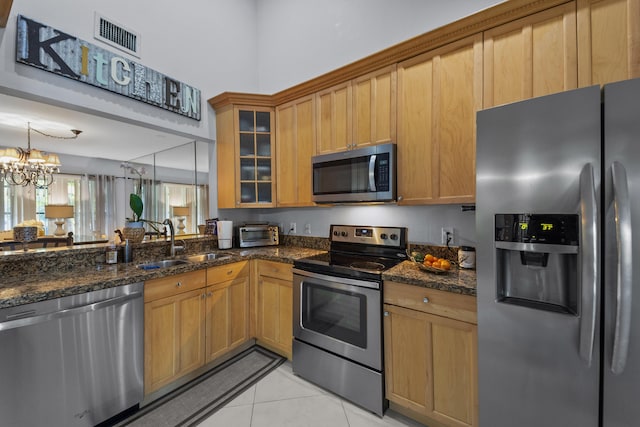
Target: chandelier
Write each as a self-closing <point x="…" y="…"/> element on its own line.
<point x="31" y="167"/>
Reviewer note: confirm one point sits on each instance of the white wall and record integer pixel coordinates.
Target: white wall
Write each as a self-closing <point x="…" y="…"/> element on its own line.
<point x="209" y="44"/>
<point x="302" y="39"/>
<point x="424" y="222"/>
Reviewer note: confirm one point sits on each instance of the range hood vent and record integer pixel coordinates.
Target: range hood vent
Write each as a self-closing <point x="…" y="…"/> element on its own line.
<point x="116" y="35"/>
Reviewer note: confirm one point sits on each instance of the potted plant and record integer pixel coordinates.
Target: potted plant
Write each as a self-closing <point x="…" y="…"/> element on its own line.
<point x="134" y="230"/>
<point x="136" y="205"/>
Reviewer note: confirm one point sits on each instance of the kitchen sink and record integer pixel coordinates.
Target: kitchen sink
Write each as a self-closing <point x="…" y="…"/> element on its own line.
<point x="207" y="257"/>
<point x="162" y="264"/>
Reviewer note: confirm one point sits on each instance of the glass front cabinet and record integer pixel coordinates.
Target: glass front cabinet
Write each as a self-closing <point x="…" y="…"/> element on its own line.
<point x="245" y="154"/>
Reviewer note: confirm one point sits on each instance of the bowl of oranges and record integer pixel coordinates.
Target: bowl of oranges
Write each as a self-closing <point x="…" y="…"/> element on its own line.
<point x="431" y="263"/>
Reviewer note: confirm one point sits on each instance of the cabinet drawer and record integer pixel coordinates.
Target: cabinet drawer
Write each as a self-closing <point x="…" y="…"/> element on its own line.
<point x="173" y="285"/>
<point x="442" y="303"/>
<point x="226" y="272"/>
<point x="277" y="270"/>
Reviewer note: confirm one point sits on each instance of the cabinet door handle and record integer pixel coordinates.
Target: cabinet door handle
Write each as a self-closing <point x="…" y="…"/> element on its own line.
<point x="179" y="284"/>
<point x="386" y="314"/>
<point x="203" y="296"/>
<point x="425" y="300"/>
<point x="209" y="294"/>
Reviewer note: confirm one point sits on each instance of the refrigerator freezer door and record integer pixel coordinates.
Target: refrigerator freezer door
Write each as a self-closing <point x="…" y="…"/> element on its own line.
<point x="530" y="160"/>
<point x="621" y="362"/>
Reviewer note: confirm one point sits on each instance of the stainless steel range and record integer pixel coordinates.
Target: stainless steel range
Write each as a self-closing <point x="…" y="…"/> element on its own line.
<point x="337" y="312"/>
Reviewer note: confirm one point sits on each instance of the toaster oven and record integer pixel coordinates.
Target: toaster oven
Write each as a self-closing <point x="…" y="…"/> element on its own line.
<point x="251" y="235"/>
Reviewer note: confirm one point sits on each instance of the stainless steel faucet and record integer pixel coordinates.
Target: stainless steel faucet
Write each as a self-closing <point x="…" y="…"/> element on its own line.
<point x="173" y="238"/>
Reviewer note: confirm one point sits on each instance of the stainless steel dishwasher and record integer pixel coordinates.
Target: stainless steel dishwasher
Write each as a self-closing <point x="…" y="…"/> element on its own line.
<point x="72" y="361"/>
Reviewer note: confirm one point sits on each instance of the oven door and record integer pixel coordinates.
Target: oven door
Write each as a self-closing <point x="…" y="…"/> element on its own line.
<point x="339" y="315"/>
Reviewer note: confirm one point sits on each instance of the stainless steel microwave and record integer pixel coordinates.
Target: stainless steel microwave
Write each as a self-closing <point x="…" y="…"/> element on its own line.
<point x="252" y="235"/>
<point x="362" y="175"/>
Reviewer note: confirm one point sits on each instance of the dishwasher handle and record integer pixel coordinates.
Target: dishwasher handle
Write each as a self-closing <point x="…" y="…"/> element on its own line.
<point x="27" y="318"/>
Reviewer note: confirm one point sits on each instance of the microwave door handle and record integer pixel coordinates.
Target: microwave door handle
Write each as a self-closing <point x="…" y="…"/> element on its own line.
<point x="624" y="268"/>
<point x="372" y="173"/>
<point x="588" y="263"/>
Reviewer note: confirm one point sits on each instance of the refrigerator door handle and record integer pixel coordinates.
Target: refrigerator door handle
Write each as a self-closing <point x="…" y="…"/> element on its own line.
<point x="624" y="268"/>
<point x="588" y="262"/>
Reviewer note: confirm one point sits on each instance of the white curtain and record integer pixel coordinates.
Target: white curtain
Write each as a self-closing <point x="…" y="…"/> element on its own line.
<point x="95" y="206"/>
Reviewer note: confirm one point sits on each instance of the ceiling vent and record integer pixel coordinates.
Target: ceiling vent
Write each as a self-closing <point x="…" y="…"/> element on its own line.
<point x="116" y="35"/>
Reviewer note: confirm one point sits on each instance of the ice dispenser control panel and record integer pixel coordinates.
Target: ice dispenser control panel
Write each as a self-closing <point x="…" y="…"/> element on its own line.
<point x="537" y="261"/>
<point x="555" y="229"/>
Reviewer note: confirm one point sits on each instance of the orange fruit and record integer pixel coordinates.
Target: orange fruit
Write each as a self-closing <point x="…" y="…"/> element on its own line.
<point x="430" y="258"/>
<point x="445" y="265"/>
<point x="436" y="264"/>
<point x="427" y="263"/>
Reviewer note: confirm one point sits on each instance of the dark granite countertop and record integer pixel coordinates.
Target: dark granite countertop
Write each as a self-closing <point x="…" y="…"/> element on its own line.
<point x="459" y="281"/>
<point x="28" y="288"/>
<point x="39" y="286"/>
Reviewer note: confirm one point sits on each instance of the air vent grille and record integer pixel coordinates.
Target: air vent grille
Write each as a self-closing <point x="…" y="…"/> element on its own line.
<point x="116" y="35"/>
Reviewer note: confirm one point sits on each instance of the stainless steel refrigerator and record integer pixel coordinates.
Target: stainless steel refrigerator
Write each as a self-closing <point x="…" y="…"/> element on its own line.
<point x="558" y="203"/>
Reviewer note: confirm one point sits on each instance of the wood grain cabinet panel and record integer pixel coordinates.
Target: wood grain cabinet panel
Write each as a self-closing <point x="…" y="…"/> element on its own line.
<point x="608" y="41"/>
<point x="357" y="113"/>
<point x="174" y="338"/>
<point x="439" y="94"/>
<point x="333" y="117"/>
<point x="430" y="344"/>
<point x="227" y="317"/>
<point x="274" y="310"/>
<point x="295" y="136"/>
<point x="531" y="57"/>
<point x="374" y="107"/>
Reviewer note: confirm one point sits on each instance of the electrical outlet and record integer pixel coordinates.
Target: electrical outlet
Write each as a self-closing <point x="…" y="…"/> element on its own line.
<point x="447" y="233"/>
<point x="307" y="228"/>
<point x="292" y="228"/>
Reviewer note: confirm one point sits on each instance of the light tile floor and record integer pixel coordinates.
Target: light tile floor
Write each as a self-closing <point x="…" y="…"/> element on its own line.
<point x="284" y="400"/>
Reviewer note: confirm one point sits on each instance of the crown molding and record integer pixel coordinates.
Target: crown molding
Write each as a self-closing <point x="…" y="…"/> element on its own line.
<point x="483" y="20"/>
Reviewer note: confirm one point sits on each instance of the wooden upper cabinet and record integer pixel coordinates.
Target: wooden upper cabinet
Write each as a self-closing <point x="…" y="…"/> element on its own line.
<point x="374" y="107"/>
<point x="608" y="41"/>
<point x="532" y="56"/>
<point x="245" y="154"/>
<point x="295" y="136"/>
<point x="333" y="112"/>
<point x="439" y="94"/>
<point x="357" y="113"/>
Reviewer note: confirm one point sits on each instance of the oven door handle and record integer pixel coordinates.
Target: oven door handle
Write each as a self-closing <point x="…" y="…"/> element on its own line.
<point x="345" y="280"/>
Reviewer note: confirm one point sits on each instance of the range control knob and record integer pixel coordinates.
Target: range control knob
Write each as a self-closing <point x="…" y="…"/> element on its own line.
<point x="343" y="234"/>
<point x="384" y="236"/>
<point x="394" y="237"/>
<point x="336" y="233"/>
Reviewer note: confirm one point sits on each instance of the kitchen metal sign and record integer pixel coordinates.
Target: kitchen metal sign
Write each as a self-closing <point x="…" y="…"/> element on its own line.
<point x="52" y="50"/>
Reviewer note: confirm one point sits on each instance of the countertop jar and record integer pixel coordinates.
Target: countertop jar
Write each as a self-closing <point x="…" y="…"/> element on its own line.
<point x="467" y="257"/>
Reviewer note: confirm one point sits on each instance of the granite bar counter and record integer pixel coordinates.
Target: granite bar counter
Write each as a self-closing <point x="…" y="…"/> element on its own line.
<point x="37" y="285"/>
<point x="53" y="273"/>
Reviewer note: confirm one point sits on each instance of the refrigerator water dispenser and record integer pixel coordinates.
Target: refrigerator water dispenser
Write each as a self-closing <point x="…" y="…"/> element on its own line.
<point x="537" y="261"/>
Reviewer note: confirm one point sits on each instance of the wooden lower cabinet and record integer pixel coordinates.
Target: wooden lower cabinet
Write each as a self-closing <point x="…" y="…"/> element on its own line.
<point x="430" y="359"/>
<point x="227" y="309"/>
<point x="174" y="333"/>
<point x="274" y="301"/>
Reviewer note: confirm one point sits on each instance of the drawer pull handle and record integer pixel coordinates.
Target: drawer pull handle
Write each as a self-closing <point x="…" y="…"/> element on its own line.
<point x="179" y="284"/>
<point x="229" y="272"/>
<point x="425" y="300"/>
